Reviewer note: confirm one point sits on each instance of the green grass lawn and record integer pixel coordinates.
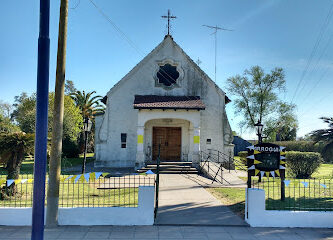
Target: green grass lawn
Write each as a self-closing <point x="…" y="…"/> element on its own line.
<point x="297" y="197"/>
<point x="79" y="195"/>
<point x="314" y="197"/>
<point x="324" y="171"/>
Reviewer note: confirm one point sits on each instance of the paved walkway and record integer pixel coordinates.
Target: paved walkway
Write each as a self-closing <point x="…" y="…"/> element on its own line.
<point x="183" y="201"/>
<point x="169" y="232"/>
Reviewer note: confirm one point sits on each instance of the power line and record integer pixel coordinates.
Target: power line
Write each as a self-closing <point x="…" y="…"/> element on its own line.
<point x="121" y="33"/>
<point x="314" y="49"/>
<point x="306" y="112"/>
<point x="315" y="85"/>
<point x="316" y="67"/>
<point x="76" y="5"/>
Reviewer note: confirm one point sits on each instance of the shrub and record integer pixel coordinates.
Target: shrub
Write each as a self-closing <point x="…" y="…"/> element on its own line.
<point x="242" y="156"/>
<point x="302" y="164"/>
<point x="301" y="146"/>
<point x="70" y="148"/>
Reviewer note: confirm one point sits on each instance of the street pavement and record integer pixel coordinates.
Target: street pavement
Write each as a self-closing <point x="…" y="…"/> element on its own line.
<point x="169" y="232"/>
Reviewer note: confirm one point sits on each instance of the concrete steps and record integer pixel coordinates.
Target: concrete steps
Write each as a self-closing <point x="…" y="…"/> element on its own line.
<point x="171" y="168"/>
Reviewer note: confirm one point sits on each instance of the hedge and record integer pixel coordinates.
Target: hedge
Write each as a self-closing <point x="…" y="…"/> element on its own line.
<point x="301" y="146"/>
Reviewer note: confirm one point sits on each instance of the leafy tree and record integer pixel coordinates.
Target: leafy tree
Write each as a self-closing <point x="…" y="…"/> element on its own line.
<point x="25" y="111"/>
<point x="88" y="104"/>
<point x="13" y="148"/>
<point x="72" y="118"/>
<point x="325" y="136"/>
<point x="69" y="87"/>
<point x="5" y="109"/>
<point x="6" y="125"/>
<point x="283" y="125"/>
<point x="256" y="93"/>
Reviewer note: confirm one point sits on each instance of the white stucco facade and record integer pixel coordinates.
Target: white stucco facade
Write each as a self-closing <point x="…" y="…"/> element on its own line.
<point x="197" y="125"/>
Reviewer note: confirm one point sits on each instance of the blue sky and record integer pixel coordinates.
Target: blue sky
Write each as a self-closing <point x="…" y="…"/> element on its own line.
<point x="266" y="33"/>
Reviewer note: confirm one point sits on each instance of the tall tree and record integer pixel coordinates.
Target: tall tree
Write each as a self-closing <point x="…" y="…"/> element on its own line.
<point x="25" y="110"/>
<point x="58" y="118"/>
<point x="6" y="125"/>
<point x="5" y="109"/>
<point x="256" y="93"/>
<point x="282" y="126"/>
<point x="69" y="87"/>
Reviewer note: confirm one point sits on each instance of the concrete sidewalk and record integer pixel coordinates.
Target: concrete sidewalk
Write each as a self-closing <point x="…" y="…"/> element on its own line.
<point x="168" y="232"/>
<point x="183" y="201"/>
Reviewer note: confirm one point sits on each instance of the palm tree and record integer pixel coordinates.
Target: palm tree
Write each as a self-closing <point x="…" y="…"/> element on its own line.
<point x="88" y="104"/>
<point x="325" y="135"/>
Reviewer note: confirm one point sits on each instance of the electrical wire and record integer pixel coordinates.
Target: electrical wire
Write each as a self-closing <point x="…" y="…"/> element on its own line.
<point x="314" y="50"/>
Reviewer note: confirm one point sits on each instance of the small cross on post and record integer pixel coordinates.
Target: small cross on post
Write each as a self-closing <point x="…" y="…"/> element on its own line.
<point x="198" y="62"/>
<point x="169" y="17"/>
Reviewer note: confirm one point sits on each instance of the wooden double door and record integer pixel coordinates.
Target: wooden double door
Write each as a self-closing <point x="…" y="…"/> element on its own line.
<point x="170" y="140"/>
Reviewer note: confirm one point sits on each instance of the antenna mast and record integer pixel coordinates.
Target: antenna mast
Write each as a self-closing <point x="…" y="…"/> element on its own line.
<point x="215" y="33"/>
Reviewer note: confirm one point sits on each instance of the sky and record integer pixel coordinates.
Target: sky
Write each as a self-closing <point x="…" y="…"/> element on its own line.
<point x="295" y="35"/>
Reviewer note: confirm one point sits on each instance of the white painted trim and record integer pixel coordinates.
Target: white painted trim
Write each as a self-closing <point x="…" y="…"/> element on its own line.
<point x="141" y="215"/>
<point x="258" y="216"/>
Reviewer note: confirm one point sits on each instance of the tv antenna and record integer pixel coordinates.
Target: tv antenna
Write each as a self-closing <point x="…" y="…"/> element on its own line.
<point x="216" y="28"/>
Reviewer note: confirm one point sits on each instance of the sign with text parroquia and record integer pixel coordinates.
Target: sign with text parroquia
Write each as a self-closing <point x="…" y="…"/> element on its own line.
<point x="266" y="158"/>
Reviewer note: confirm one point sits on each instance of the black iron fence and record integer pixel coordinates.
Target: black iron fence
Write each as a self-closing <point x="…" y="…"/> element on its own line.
<point x="108" y="191"/>
<point x="300" y="194"/>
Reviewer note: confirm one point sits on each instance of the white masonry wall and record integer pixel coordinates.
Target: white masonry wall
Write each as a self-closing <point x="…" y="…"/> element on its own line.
<point x="84" y="216"/>
<point x="258" y="216"/>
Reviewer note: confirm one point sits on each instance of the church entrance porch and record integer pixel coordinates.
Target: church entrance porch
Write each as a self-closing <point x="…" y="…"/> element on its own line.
<point x="169" y="140"/>
<point x="178" y="131"/>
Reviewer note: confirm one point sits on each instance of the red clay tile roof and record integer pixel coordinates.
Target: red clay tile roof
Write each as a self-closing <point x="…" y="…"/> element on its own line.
<point x="167" y="102"/>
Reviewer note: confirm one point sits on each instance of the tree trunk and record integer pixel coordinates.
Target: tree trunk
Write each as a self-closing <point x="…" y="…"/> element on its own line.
<point x="13" y="171"/>
<point x="58" y="116"/>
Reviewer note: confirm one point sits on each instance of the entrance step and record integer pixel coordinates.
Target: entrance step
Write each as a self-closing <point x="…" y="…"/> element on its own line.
<point x="171" y="168"/>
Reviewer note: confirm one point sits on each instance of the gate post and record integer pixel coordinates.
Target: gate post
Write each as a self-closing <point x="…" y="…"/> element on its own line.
<point x="157" y="181"/>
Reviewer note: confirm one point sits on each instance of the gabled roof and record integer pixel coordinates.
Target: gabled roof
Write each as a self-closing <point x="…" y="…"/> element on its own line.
<point x="168" y="102"/>
<point x="157" y="48"/>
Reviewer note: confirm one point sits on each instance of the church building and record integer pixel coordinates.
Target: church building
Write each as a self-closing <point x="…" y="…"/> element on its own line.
<point x="166" y="100"/>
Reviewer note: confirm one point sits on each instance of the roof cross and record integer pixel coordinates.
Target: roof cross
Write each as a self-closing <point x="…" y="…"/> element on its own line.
<point x="169" y="17"/>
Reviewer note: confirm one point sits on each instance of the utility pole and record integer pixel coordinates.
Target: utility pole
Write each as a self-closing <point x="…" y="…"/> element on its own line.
<point x="215" y="32"/>
<point x="37" y="230"/>
<point x="58" y="116"/>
